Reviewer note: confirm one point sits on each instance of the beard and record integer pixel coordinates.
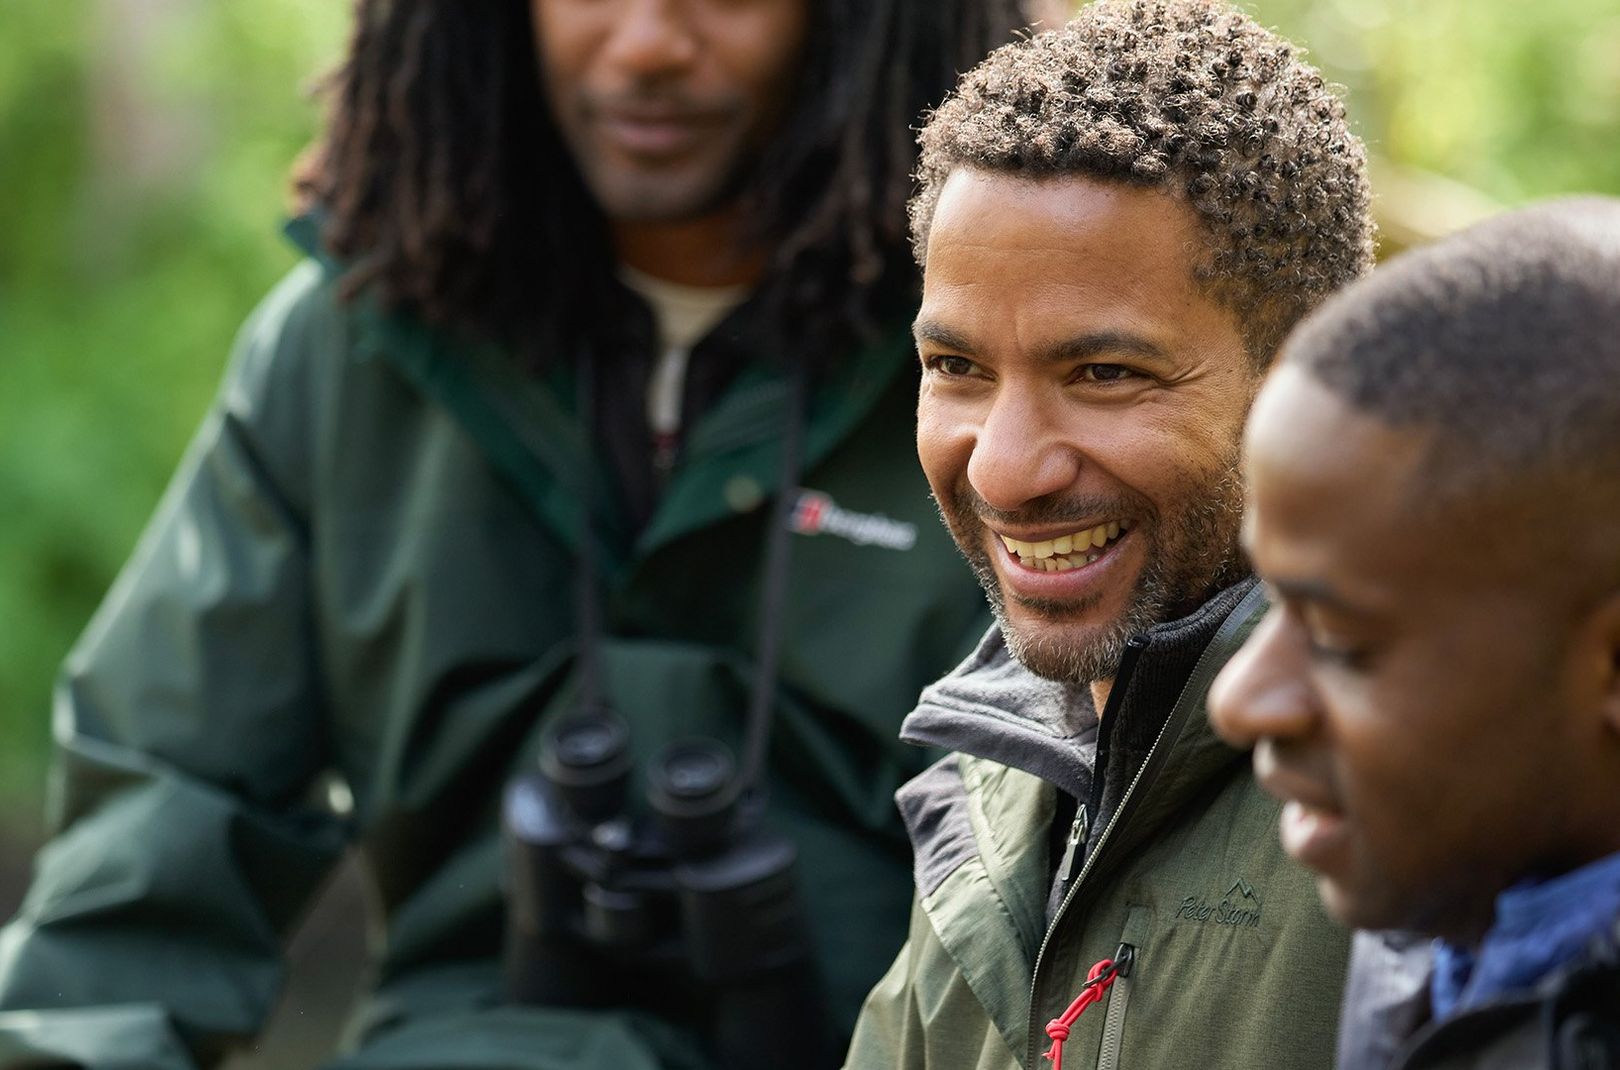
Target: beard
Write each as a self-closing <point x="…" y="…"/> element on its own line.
<point x="1192" y="551"/>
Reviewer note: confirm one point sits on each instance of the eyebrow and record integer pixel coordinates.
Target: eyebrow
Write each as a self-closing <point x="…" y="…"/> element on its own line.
<point x="1080" y="347"/>
<point x="1303" y="590"/>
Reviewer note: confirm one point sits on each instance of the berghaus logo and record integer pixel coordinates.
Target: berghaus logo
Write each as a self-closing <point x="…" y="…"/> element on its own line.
<point x="815" y="513"/>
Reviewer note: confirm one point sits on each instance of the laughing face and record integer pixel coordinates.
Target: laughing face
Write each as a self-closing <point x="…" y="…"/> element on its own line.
<point x="1426" y="692"/>
<point x="1080" y="410"/>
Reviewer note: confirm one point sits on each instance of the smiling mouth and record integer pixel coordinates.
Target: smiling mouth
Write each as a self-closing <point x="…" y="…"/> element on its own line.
<point x="1071" y="551"/>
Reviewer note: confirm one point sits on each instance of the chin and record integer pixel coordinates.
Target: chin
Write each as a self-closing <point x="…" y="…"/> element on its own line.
<point x="1379" y="911"/>
<point x="1346" y="909"/>
<point x="659" y="195"/>
<point x="1068" y="652"/>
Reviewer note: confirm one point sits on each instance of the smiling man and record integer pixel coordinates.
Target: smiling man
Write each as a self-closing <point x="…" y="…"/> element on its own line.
<point x="1118" y="223"/>
<point x="1438" y="703"/>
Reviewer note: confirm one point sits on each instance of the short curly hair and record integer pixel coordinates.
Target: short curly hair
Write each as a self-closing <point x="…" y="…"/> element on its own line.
<point x="1192" y="97"/>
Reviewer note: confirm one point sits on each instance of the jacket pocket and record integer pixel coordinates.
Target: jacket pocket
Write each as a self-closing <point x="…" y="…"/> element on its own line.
<point x="1132" y="940"/>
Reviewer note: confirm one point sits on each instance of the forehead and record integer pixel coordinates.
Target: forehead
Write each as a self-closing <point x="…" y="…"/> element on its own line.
<point x="1333" y="492"/>
<point x="1044" y="255"/>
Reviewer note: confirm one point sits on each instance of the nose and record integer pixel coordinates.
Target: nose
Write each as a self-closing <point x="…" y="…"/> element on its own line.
<point x="651" y="38"/>
<point x="1020" y="453"/>
<point x="1263" y="692"/>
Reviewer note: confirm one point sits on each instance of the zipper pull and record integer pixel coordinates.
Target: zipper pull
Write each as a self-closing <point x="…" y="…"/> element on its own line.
<point x="1077" y="835"/>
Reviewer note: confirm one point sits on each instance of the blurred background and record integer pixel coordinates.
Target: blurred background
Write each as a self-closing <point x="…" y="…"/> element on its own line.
<point x="144" y="147"/>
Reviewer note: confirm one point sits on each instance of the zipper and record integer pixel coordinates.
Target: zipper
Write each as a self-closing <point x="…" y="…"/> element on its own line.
<point x="1214" y="655"/>
<point x="1077" y="835"/>
<point x="1119" y="996"/>
<point x="1122" y="681"/>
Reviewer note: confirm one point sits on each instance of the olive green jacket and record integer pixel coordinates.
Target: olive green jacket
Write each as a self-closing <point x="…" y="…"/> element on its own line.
<point x="1234" y="964"/>
<point x="348" y="619"/>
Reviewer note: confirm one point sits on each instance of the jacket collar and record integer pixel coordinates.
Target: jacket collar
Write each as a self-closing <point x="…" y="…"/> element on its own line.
<point x="992" y="707"/>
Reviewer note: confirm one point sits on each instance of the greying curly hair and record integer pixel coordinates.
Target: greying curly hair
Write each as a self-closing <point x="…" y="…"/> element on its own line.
<point x="1193" y="97"/>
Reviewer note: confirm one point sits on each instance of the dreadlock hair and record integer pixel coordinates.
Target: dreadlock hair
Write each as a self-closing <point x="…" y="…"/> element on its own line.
<point x="446" y="190"/>
<point x="1194" y="98"/>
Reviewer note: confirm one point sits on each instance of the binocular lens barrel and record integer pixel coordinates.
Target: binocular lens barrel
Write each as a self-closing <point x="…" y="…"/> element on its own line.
<point x="587" y="759"/>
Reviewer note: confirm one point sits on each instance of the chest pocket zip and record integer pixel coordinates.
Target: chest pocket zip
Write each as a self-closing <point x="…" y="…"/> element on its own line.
<point x="1119" y="996"/>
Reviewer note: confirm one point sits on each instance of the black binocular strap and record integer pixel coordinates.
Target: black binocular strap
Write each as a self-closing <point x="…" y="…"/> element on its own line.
<point x="773" y="589"/>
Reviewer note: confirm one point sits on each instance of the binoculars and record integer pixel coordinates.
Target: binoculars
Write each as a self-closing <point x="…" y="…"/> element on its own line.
<point x="686" y="906"/>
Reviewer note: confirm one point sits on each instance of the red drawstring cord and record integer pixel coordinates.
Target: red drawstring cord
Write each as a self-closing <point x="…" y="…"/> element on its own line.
<point x="1097" y="981"/>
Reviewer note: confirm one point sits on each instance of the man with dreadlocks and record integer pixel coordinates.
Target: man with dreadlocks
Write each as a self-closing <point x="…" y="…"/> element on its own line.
<point x="514" y="442"/>
<point x="1118" y="223"/>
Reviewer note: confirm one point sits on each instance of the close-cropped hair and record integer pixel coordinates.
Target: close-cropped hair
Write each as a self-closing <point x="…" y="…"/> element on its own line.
<point x="1194" y="98"/>
<point x="1502" y="342"/>
<point x="445" y="189"/>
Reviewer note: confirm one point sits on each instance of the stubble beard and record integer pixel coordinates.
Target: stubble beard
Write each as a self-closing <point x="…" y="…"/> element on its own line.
<point x="1190" y="555"/>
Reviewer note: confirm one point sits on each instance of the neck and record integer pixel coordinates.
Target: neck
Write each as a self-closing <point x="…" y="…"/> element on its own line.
<point x="706" y="251"/>
<point x="1100" y="690"/>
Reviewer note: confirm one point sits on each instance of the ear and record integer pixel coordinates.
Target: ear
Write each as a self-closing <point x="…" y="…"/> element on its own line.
<point x="1601" y="654"/>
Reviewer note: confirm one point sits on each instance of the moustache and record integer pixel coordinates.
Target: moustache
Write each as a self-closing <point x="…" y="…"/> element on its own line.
<point x="966" y="502"/>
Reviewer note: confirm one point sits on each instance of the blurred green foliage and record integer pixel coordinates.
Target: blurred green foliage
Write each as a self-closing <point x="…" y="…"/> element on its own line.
<point x="144" y="146"/>
<point x="1518" y="100"/>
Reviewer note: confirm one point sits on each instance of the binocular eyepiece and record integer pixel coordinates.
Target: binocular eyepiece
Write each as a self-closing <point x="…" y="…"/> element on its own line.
<point x="686" y="905"/>
<point x="691" y="787"/>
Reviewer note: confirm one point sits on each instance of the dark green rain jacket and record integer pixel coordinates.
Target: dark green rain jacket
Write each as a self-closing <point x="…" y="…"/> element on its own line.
<point x="364" y="569"/>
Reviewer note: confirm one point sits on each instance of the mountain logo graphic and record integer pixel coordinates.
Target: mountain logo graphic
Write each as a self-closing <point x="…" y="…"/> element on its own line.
<point x="1241" y="887"/>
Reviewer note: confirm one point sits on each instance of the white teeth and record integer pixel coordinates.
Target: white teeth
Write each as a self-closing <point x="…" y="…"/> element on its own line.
<point x="1092" y="557"/>
<point x="1035" y="555"/>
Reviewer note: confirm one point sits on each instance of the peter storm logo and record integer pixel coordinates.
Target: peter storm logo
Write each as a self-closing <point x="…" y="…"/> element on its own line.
<point x="815" y="513"/>
<point x="1240" y="906"/>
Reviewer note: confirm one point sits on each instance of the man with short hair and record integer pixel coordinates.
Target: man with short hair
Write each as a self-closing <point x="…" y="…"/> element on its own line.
<point x="594" y="399"/>
<point x="1433" y="501"/>
<point x="1118" y="223"/>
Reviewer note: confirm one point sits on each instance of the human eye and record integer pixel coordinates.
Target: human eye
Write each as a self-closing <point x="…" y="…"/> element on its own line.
<point x="1106" y="373"/>
<point x="1328" y="643"/>
<point x="1338" y="653"/>
<point x="951" y="366"/>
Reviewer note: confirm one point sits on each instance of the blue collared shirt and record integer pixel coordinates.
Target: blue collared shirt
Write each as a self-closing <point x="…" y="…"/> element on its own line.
<point x="1540" y="926"/>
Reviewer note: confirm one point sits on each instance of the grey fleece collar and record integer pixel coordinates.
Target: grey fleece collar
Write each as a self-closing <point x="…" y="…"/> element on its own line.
<point x="992" y="707"/>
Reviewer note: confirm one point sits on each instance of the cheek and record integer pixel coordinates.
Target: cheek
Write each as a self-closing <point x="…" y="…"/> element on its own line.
<point x="944" y="442"/>
<point x="762" y="52"/>
<point x="1407" y="764"/>
<point x="563" y="45"/>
